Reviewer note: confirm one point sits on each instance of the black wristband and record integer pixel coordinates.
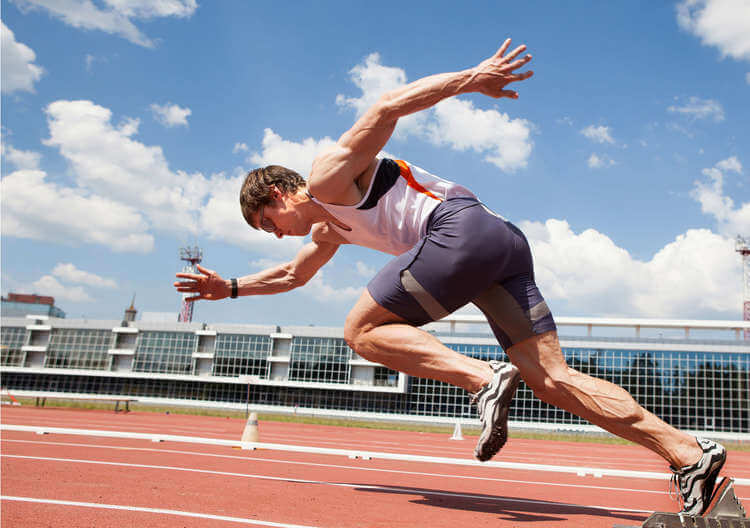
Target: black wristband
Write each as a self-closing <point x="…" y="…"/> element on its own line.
<point x="234" y="288"/>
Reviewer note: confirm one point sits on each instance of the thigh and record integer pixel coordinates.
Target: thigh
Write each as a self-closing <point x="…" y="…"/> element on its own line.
<point x="367" y="314"/>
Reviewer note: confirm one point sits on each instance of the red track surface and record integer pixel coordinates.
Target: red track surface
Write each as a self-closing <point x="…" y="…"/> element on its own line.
<point x="292" y="488"/>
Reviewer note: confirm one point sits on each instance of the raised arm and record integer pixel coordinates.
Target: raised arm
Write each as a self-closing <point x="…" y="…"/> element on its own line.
<point x="356" y="148"/>
<point x="212" y="287"/>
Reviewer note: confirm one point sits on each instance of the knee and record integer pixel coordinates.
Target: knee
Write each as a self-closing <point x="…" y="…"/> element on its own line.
<point x="351" y="333"/>
<point x="354" y="335"/>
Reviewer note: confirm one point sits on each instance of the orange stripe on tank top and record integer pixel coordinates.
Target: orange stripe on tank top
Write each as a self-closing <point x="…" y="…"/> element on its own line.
<point x="412" y="182"/>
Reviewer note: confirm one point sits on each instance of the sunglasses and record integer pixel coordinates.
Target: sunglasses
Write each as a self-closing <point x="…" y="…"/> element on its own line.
<point x="266" y="224"/>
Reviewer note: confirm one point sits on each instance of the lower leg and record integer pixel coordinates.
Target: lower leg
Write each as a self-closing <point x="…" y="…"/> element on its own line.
<point x="602" y="403"/>
<point x="612" y="408"/>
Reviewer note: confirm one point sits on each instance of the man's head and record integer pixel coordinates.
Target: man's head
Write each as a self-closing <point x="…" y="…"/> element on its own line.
<point x="263" y="187"/>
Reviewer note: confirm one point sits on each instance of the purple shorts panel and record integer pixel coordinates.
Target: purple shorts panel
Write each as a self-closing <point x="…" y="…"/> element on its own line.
<point x="468" y="255"/>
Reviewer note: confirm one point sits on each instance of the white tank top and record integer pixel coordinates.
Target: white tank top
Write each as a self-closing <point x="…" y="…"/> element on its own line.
<point x="393" y="214"/>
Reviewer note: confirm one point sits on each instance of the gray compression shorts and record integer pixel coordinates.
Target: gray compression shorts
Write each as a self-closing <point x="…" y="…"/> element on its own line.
<point x="469" y="254"/>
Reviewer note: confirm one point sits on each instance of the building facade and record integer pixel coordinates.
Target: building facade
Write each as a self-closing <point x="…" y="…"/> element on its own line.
<point x="21" y="304"/>
<point x="693" y="374"/>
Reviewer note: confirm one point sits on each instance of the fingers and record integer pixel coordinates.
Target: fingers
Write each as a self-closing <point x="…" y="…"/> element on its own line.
<point x="519" y="76"/>
<point x="513" y="54"/>
<point x="503" y="48"/>
<point x="520" y="62"/>
<point x="194" y="298"/>
<point x="190" y="276"/>
<point x="187" y="286"/>
<point x="203" y="270"/>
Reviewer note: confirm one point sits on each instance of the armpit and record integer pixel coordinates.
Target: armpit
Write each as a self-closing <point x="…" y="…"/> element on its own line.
<point x="323" y="232"/>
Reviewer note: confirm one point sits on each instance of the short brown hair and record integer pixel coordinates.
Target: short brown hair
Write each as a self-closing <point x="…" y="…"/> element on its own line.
<point x="256" y="190"/>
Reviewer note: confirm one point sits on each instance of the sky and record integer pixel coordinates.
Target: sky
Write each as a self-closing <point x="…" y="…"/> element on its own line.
<point x="128" y="127"/>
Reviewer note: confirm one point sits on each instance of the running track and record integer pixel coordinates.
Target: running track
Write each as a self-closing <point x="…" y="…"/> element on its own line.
<point x="79" y="481"/>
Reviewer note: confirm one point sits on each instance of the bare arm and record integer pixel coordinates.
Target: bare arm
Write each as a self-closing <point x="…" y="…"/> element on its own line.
<point x="210" y="286"/>
<point x="337" y="168"/>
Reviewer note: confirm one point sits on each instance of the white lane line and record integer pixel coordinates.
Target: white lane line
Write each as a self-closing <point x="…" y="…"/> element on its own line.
<point x="577" y="469"/>
<point x="404" y="490"/>
<point x="336" y="466"/>
<point x="145" y="428"/>
<point x="431" y="448"/>
<point x="427" y="448"/>
<point x="153" y="510"/>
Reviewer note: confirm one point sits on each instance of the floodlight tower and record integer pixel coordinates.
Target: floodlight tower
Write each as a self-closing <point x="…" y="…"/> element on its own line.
<point x="193" y="256"/>
<point x="743" y="248"/>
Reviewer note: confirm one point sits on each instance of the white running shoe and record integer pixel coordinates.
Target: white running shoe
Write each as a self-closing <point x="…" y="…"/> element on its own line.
<point x="696" y="482"/>
<point x="493" y="403"/>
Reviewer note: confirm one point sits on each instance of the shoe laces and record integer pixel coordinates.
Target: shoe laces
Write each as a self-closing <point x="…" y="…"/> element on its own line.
<point x="475" y="397"/>
<point x="675" y="493"/>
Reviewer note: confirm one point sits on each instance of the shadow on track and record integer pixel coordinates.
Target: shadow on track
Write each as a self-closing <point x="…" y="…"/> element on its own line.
<point x="516" y="509"/>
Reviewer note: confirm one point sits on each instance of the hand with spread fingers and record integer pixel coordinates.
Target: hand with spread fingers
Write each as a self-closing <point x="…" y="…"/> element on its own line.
<point x="491" y="76"/>
<point x="208" y="285"/>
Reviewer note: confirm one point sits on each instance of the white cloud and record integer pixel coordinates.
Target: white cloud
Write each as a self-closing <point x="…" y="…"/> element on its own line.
<point x="239" y="147"/>
<point x="116" y="18"/>
<point x="153" y="9"/>
<point x="731" y="164"/>
<point x="321" y="290"/>
<point x="18" y="69"/>
<point x="365" y="270"/>
<point x="107" y="161"/>
<point x="52" y="287"/>
<point x="453" y="122"/>
<point x="143" y="193"/>
<point x="290" y="154"/>
<point x="724" y="24"/>
<point x="506" y="142"/>
<point x="68" y="272"/>
<point x="374" y="79"/>
<point x="598" y="134"/>
<point x="697" y="108"/>
<point x="20" y="159"/>
<point x="170" y="115"/>
<point x="731" y="220"/>
<point x="35" y="208"/>
<point x="694" y="275"/>
<point x="599" y="162"/>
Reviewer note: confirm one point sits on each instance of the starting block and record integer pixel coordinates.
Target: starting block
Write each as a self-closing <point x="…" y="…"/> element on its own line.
<point x="724" y="510"/>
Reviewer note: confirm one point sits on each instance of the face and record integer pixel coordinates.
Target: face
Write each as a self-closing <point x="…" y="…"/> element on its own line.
<point x="283" y="216"/>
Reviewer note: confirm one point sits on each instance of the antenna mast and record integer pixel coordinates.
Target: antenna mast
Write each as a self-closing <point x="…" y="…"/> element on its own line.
<point x="192" y="256"/>
<point x="743" y="248"/>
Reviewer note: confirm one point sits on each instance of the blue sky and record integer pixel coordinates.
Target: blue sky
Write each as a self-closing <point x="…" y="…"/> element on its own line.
<point x="127" y="127"/>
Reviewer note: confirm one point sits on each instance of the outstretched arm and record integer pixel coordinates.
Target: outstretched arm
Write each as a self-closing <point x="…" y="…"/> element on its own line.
<point x="211" y="286"/>
<point x="357" y="147"/>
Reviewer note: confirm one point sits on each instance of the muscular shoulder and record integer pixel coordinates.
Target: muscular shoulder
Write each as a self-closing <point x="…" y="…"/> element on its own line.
<point x="339" y="177"/>
<point x="323" y="232"/>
